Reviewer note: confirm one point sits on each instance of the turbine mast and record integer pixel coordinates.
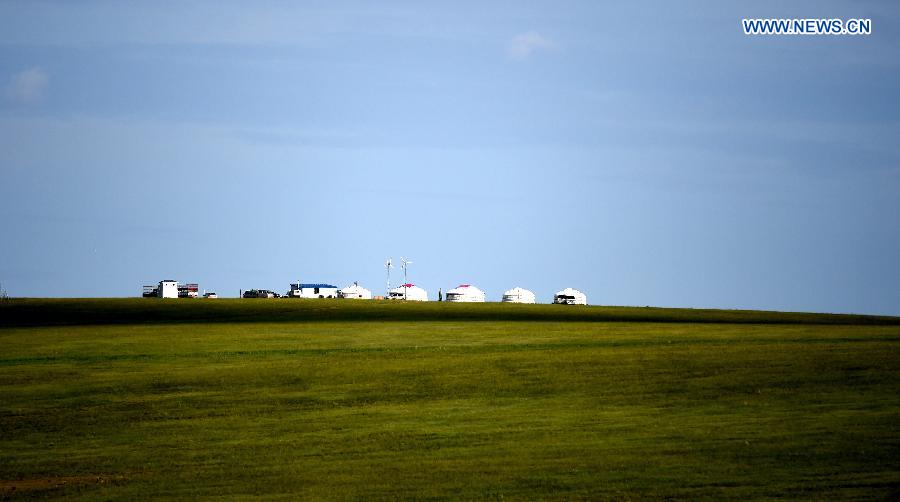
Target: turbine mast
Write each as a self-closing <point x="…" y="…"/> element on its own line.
<point x="388" y="265"/>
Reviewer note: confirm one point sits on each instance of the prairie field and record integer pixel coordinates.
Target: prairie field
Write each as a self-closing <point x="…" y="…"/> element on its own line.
<point x="343" y="399"/>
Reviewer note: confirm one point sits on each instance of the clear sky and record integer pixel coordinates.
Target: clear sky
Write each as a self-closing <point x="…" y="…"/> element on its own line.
<point x="646" y="153"/>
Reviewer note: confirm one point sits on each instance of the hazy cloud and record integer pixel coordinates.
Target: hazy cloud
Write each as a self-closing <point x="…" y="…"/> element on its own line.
<point x="27" y="86"/>
<point x="524" y="44"/>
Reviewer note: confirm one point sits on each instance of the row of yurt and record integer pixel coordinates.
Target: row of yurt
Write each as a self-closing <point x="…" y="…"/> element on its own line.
<point x="567" y="296"/>
<point x="469" y="293"/>
<point x="409" y="292"/>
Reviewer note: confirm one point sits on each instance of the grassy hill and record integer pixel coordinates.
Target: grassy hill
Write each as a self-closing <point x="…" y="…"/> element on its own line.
<point x="346" y="399"/>
<point x="46" y="312"/>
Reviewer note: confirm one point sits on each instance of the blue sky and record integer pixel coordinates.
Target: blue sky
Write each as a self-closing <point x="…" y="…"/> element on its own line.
<point x="645" y="153"/>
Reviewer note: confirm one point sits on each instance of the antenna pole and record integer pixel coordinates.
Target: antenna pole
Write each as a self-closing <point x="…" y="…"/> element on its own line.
<point x="388" y="265"/>
<point x="404" y="263"/>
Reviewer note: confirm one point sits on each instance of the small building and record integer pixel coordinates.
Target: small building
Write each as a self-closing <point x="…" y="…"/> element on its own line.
<point x="259" y="293"/>
<point x="168" y="289"/>
<point x="570" y="296"/>
<point x="319" y="290"/>
<point x="355" y="291"/>
<point x="518" y="295"/>
<point x="409" y="292"/>
<point x="465" y="293"/>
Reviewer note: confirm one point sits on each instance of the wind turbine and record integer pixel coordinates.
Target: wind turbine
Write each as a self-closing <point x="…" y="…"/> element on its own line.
<point x="388" y="265"/>
<point x="404" y="263"/>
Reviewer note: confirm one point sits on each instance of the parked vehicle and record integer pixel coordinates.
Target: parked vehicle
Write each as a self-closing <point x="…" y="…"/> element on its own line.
<point x="260" y="293"/>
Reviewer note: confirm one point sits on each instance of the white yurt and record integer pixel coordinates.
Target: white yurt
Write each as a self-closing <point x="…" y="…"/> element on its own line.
<point x="570" y="296"/>
<point x="355" y="291"/>
<point x="465" y="293"/>
<point x="518" y="295"/>
<point x="409" y="292"/>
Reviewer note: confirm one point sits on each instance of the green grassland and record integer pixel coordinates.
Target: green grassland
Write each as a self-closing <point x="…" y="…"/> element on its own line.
<point x="331" y="399"/>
